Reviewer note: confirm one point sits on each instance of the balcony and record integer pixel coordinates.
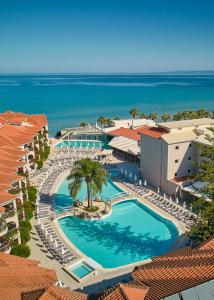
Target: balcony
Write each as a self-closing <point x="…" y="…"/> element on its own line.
<point x="9" y="214"/>
<point x="3" y="228"/>
<point x="11" y="226"/>
<point x="4" y="246"/>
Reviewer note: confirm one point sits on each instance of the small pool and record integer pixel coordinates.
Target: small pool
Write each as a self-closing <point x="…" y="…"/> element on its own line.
<point x="63" y="199"/>
<point x="83" y="144"/>
<point x="132" y="233"/>
<point x="82" y="269"/>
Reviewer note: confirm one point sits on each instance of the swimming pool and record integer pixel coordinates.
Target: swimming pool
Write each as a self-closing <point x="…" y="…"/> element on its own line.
<point x="82" y="269"/>
<point x="83" y="144"/>
<point x="63" y="198"/>
<point x="131" y="233"/>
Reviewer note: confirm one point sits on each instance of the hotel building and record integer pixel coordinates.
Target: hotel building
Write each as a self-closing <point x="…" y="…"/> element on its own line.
<point x="169" y="153"/>
<point x="22" y="139"/>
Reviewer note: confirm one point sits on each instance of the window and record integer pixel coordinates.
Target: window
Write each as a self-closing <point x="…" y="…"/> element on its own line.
<point x="190" y="158"/>
<point x="190" y="145"/>
<point x="189" y="171"/>
<point x="176" y="147"/>
<point x="176" y="161"/>
<point x="176" y="174"/>
<point x="179" y="128"/>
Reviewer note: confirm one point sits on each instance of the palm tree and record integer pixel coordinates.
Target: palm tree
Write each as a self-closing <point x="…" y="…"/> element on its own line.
<point x="134" y="113"/>
<point x="83" y="124"/>
<point x="153" y="116"/>
<point x="102" y="121"/>
<point x="143" y="116"/>
<point x="165" y="117"/>
<point x="92" y="173"/>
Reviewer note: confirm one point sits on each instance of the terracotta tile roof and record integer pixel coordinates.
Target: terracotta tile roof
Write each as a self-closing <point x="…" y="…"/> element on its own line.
<point x="5" y="197"/>
<point x="20" y="275"/>
<point x="22" y="278"/>
<point x="152" y="131"/>
<point x="4" y="187"/>
<point x="57" y="293"/>
<point x="8" y="170"/>
<point x="169" y="274"/>
<point x="126" y="132"/>
<point x="13" y="150"/>
<point x="2" y="209"/>
<point x="128" y="291"/>
<point x="11" y="163"/>
<point x="9" y="178"/>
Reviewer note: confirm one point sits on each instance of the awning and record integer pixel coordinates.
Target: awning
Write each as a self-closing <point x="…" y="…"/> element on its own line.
<point x="126" y="145"/>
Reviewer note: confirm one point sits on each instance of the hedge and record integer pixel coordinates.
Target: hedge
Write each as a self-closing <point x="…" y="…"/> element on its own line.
<point x="21" y="250"/>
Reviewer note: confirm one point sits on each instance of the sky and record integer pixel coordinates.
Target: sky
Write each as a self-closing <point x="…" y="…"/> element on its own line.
<point x="106" y="36"/>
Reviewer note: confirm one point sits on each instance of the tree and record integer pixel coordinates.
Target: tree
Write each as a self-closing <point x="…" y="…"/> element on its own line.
<point x="204" y="227"/>
<point x="83" y="124"/>
<point x="134" y="112"/>
<point x="92" y="173"/>
<point x="165" y="117"/>
<point x="143" y="116"/>
<point x="153" y="116"/>
<point x="116" y="118"/>
<point x="102" y="121"/>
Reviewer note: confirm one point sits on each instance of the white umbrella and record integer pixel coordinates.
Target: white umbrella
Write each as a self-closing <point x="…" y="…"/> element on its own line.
<point x="62" y="251"/>
<point x="38" y="221"/>
<point x="121" y="170"/>
<point x="158" y="190"/>
<point x="37" y="210"/>
<point x="190" y="208"/>
<point x="145" y="182"/>
<point x="184" y="204"/>
<point x="45" y="232"/>
<point x="130" y="175"/>
<point x="164" y="195"/>
<point x="42" y="227"/>
<point x="51" y="239"/>
<point x="177" y="200"/>
<point x="135" y="177"/>
<point x="170" y="198"/>
<point x="140" y="182"/>
<point x="55" y="244"/>
<point x="125" y="172"/>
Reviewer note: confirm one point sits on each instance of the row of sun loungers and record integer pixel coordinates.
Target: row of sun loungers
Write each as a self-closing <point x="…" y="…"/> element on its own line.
<point x="165" y="204"/>
<point x="54" y="245"/>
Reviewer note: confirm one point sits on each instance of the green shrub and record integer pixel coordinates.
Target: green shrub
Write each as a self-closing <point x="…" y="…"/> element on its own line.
<point x="21" y="250"/>
<point x="24" y="234"/>
<point x="28" y="208"/>
<point x="39" y="164"/>
<point x="25" y="224"/>
<point x="32" y="192"/>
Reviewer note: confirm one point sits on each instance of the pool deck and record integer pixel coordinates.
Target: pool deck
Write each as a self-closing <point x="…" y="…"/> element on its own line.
<point x="104" y="277"/>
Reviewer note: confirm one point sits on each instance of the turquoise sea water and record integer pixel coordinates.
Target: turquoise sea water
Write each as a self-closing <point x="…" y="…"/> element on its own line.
<point x="63" y="199"/>
<point x="130" y="234"/>
<point x="69" y="99"/>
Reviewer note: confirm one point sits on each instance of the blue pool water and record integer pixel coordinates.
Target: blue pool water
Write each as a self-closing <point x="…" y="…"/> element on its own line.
<point x="130" y="234"/>
<point x="83" y="144"/>
<point x="114" y="173"/>
<point x="63" y="199"/>
<point x="82" y="269"/>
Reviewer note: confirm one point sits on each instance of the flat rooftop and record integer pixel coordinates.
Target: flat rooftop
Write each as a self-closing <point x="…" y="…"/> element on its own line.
<point x="186" y="123"/>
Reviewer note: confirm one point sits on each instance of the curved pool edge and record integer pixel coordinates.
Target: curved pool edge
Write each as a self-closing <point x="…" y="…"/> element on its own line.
<point x="164" y="215"/>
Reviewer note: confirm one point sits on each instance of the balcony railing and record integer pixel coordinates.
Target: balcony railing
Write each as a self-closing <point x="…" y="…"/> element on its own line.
<point x="3" y="226"/>
<point x="9" y="213"/>
<point x="4" y="246"/>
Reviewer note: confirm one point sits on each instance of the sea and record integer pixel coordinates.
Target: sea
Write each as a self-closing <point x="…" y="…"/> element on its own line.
<point x="68" y="99"/>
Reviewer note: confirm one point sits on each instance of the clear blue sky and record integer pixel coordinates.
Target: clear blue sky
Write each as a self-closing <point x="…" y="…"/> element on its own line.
<point x="106" y="35"/>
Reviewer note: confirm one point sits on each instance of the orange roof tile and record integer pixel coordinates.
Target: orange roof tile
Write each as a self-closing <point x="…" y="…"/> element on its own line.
<point x="11" y="163"/>
<point x="168" y="274"/>
<point x="126" y="132"/>
<point x="5" y="187"/>
<point x="2" y="209"/>
<point x="9" y="178"/>
<point x="5" y="197"/>
<point x="54" y="292"/>
<point x="152" y="131"/>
